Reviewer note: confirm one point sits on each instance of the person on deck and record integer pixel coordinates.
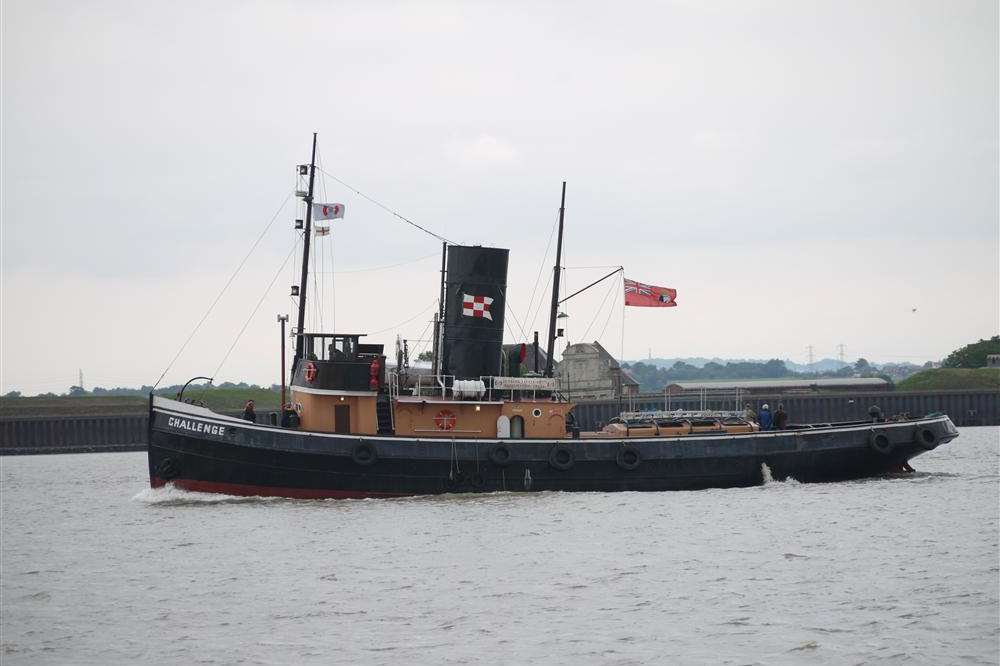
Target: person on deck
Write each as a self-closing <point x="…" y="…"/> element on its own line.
<point x="748" y="413"/>
<point x="249" y="413"/>
<point x="780" y="418"/>
<point x="764" y="418"/>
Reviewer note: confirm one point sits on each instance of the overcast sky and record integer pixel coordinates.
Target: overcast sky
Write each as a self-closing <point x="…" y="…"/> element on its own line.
<point x="803" y="173"/>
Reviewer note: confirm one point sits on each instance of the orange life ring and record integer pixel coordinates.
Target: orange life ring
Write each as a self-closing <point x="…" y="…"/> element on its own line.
<point x="445" y="420"/>
<point x="310" y="373"/>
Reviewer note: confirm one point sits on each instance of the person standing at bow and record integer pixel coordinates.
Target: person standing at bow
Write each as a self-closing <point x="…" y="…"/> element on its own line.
<point x="765" y="418"/>
<point x="249" y="413"/>
<point x="780" y="418"/>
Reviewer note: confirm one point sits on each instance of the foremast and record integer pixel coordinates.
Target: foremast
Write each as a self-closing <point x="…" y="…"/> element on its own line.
<point x="300" y="347"/>
<point x="550" y="350"/>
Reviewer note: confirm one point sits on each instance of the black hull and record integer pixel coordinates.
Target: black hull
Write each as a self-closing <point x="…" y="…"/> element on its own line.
<point x="201" y="451"/>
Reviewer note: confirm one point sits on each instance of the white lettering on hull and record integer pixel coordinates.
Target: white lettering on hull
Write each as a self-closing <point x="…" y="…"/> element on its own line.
<point x="196" y="426"/>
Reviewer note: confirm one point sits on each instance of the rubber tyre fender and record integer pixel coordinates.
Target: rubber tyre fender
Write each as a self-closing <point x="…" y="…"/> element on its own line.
<point x="628" y="457"/>
<point x="167" y="469"/>
<point x="561" y="457"/>
<point x="926" y="438"/>
<point x="364" y="454"/>
<point x="500" y="455"/>
<point x="880" y="442"/>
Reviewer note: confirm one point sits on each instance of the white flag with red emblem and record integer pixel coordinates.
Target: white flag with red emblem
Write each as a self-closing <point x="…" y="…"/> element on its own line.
<point x="476" y="306"/>
<point x="331" y="211"/>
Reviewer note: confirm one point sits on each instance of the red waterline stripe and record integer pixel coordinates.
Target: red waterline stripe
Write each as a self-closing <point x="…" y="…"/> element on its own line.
<point x="246" y="490"/>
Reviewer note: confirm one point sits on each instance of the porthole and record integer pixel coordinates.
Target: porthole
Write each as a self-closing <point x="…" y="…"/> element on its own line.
<point x="536" y="412"/>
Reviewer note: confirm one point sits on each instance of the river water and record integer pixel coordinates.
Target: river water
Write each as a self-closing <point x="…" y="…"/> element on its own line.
<point x="99" y="569"/>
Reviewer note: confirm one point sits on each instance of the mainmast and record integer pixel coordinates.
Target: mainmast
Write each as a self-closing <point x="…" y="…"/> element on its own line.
<point x="304" y="281"/>
<point x="555" y="288"/>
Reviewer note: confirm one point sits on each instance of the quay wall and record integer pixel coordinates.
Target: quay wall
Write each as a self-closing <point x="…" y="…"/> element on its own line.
<point x="79" y="434"/>
<point x="76" y="434"/>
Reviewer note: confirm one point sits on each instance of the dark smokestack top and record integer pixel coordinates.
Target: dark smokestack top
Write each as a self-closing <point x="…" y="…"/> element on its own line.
<point x="474" y="309"/>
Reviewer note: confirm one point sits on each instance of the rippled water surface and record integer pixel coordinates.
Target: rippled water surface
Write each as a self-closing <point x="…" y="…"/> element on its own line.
<point x="98" y="569"/>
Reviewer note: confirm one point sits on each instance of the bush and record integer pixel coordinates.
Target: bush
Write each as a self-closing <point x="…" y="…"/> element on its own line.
<point x="973" y="355"/>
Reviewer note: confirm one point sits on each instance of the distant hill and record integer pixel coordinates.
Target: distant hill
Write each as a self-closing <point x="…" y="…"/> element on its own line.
<point x="943" y="379"/>
<point x="824" y="365"/>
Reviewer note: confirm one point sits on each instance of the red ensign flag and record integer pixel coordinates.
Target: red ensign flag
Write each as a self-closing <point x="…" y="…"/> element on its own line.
<point x="648" y="296"/>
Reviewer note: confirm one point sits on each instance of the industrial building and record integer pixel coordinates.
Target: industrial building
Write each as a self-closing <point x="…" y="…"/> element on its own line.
<point x="589" y="372"/>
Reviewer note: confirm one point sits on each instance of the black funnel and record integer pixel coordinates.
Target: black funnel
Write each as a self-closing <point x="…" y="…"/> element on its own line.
<point x="474" y="308"/>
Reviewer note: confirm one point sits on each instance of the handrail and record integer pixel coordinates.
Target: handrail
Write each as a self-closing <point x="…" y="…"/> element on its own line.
<point x="418" y="386"/>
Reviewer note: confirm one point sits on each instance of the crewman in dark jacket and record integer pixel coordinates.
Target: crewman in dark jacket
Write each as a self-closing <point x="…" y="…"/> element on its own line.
<point x="780" y="418"/>
<point x="249" y="413"/>
<point x="765" y="418"/>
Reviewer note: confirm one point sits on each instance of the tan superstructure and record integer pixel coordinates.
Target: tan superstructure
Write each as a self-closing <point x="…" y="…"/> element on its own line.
<point x="441" y="417"/>
<point x="345" y="413"/>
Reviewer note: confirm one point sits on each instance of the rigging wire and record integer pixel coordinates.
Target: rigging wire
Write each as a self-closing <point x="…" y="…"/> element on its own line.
<point x="316" y="305"/>
<point x="611" y="311"/>
<point x="224" y="289"/>
<point x="541" y="267"/>
<point x="394" y="326"/>
<point x="256" y="307"/>
<point x="513" y="316"/>
<point x="333" y="286"/>
<point x="538" y="305"/>
<point x="600" y="308"/>
<point x="383" y="268"/>
<point x="329" y="245"/>
<point x="386" y="208"/>
<point x="578" y="268"/>
<point x="423" y="339"/>
<point x="621" y="354"/>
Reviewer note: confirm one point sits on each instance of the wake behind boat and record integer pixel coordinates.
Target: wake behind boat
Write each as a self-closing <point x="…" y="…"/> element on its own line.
<point x="481" y="421"/>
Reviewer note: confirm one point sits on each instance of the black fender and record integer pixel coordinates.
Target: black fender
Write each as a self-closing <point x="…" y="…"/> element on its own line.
<point x="500" y="455"/>
<point x="628" y="457"/>
<point x="561" y="457"/>
<point x="880" y="442"/>
<point x="926" y="438"/>
<point x="364" y="454"/>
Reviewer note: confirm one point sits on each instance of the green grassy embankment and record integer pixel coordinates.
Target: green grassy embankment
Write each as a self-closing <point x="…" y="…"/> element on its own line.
<point x="947" y="379"/>
<point x="227" y="400"/>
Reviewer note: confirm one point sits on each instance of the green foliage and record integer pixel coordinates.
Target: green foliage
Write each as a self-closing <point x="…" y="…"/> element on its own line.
<point x="946" y="379"/>
<point x="973" y="355"/>
<point x="651" y="378"/>
<point x="221" y="399"/>
<point x="426" y="356"/>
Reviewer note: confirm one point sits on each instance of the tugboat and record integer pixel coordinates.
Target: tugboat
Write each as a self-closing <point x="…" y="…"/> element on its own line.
<point x="353" y="429"/>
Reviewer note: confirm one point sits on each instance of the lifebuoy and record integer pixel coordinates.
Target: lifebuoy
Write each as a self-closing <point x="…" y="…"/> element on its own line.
<point x="445" y="420"/>
<point x="561" y="457"/>
<point x="880" y="442"/>
<point x="364" y="454"/>
<point x="628" y="457"/>
<point x="926" y="437"/>
<point x="310" y="373"/>
<point x="500" y="455"/>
